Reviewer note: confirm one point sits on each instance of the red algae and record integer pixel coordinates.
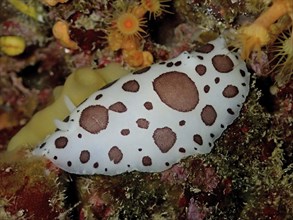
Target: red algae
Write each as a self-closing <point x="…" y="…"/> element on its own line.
<point x="28" y="192"/>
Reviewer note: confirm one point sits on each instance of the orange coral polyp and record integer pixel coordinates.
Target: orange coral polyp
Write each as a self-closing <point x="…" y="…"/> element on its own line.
<point x="133" y="58"/>
<point x="151" y="5"/>
<point x="139" y="11"/>
<point x="130" y="44"/>
<point x="130" y="25"/>
<point x="115" y="40"/>
<point x="155" y="7"/>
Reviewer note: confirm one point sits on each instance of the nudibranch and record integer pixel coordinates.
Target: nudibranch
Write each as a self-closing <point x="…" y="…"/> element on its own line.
<point x="150" y="119"/>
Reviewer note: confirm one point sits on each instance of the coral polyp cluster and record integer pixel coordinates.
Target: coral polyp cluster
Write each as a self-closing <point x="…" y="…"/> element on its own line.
<point x="273" y="29"/>
<point x="259" y="33"/>
<point x="155" y="7"/>
<point x="126" y="30"/>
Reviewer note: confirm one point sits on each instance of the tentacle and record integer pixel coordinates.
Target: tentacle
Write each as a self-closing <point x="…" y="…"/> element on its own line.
<point x="69" y="104"/>
<point x="61" y="125"/>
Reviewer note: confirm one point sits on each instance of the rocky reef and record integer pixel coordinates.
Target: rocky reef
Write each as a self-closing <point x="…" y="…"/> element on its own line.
<point x="247" y="175"/>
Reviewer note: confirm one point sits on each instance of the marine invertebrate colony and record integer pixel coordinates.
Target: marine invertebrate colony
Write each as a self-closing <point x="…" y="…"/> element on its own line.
<point x="159" y="115"/>
<point x="155" y="7"/>
<point x="258" y="34"/>
<point x="127" y="27"/>
<point x="126" y="32"/>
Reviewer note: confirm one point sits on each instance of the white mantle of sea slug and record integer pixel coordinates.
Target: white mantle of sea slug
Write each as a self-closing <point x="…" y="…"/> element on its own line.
<point x="152" y="118"/>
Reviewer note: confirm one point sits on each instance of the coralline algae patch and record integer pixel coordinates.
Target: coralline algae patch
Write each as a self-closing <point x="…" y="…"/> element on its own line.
<point x="158" y="115"/>
<point x="27" y="190"/>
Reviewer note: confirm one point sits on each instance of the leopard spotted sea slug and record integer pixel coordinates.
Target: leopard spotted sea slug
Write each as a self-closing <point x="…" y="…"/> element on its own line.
<point x="152" y="118"/>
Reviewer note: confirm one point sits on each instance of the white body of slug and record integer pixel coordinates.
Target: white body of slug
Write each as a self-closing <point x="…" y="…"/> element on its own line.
<point x="152" y="118"/>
